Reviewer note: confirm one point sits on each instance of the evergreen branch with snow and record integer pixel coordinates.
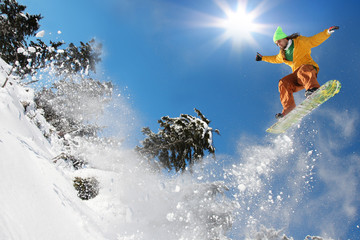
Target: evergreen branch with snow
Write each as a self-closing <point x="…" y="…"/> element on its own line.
<point x="180" y="142"/>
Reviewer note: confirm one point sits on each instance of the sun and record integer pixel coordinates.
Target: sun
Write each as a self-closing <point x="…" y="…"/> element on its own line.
<point x="238" y="24"/>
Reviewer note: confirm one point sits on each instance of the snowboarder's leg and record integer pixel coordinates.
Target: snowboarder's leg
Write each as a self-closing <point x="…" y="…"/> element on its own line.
<point x="307" y="77"/>
<point x="287" y="86"/>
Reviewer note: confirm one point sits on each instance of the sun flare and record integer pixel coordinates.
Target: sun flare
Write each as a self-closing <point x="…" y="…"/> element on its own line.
<point x="238" y="23"/>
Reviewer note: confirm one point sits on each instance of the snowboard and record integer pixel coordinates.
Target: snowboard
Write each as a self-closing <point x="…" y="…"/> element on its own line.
<point x="324" y="93"/>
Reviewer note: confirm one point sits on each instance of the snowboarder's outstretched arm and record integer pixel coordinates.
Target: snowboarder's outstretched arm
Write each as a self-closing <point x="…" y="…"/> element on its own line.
<point x="271" y="59"/>
<point x="319" y="38"/>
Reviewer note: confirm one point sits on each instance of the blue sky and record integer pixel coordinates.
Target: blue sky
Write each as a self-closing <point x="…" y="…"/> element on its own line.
<point x="166" y="56"/>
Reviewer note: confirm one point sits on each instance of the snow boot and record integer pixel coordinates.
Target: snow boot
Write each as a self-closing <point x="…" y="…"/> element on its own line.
<point x="310" y="91"/>
<point x="278" y="116"/>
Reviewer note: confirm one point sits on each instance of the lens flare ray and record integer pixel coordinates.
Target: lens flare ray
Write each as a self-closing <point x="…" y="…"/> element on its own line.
<point x="238" y="24"/>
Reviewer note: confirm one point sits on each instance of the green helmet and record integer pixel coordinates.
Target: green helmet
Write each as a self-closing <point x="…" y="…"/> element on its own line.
<point x="279" y="34"/>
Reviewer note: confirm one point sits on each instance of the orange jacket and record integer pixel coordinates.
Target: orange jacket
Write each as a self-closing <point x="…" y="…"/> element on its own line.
<point x="302" y="51"/>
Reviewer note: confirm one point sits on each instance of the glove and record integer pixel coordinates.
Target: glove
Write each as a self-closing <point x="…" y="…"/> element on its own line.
<point x="258" y="57"/>
<point x="332" y="29"/>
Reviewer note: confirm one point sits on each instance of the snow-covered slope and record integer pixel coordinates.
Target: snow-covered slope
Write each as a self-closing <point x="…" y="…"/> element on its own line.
<point x="37" y="200"/>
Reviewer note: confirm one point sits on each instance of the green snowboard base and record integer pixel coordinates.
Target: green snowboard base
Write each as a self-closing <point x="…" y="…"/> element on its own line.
<point x="324" y="93"/>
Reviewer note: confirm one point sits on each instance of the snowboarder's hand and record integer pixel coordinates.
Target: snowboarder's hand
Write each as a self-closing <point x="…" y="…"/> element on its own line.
<point x="332" y="29"/>
<point x="258" y="57"/>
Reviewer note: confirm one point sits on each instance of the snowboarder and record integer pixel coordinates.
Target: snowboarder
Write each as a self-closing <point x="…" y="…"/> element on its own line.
<point x="295" y="51"/>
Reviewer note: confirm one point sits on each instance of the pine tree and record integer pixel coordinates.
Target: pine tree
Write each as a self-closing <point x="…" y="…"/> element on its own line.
<point x="76" y="59"/>
<point x="180" y="141"/>
<point x="15" y="28"/>
<point x="27" y="57"/>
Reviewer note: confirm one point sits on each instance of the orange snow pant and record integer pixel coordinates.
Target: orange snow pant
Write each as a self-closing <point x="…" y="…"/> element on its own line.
<point x="303" y="77"/>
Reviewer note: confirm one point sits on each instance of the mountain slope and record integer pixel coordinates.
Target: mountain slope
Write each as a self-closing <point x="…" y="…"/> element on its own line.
<point x="37" y="200"/>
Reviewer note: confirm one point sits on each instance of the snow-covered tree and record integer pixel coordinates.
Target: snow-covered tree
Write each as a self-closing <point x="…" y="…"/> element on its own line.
<point x="15" y="28"/>
<point x="87" y="188"/>
<point x="28" y="57"/>
<point x="72" y="101"/>
<point x="71" y="106"/>
<point x="180" y="142"/>
<point x="63" y="62"/>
